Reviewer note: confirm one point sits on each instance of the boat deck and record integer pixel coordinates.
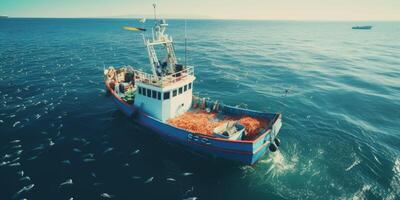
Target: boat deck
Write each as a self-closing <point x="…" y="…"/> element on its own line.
<point x="202" y="122"/>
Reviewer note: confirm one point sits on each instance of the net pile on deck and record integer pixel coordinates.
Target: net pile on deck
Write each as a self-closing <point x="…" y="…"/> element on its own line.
<point x="197" y="122"/>
<point x="253" y="125"/>
<point x="205" y="123"/>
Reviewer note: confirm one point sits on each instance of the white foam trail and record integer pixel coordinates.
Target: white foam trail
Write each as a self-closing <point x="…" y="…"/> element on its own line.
<point x="105" y="195"/>
<point x="360" y="194"/>
<point x="187" y="173"/>
<point x="171" y="179"/>
<point x="77" y="150"/>
<point x="16" y="159"/>
<point x="135" y="152"/>
<point x="6" y="156"/>
<point x="108" y="150"/>
<point x="21" y="173"/>
<point x="149" y="180"/>
<point x="356" y="162"/>
<point x="27" y="178"/>
<point x="40" y="147"/>
<point x="88" y="155"/>
<point x="377" y="160"/>
<point x="190" y="198"/>
<point x="24" y="189"/>
<point x="16" y="146"/>
<point x="66" y="162"/>
<point x="15" y="141"/>
<point x="32" y="158"/>
<point x="16" y="123"/>
<point x="189" y="191"/>
<point x="4" y="163"/>
<point x="67" y="182"/>
<point x="88" y="160"/>
<point x="395" y="182"/>
<point x="278" y="163"/>
<point x="15" y="164"/>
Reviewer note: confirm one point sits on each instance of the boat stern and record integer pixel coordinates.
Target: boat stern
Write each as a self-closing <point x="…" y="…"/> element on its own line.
<point x="276" y="126"/>
<point x="268" y="142"/>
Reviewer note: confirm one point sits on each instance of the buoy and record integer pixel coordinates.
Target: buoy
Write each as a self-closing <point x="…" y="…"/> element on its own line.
<point x="273" y="147"/>
<point x="277" y="142"/>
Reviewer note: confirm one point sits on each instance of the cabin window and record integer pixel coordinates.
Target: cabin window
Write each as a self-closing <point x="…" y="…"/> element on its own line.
<point x="140" y="90"/>
<point x="190" y="86"/>
<point x="154" y="95"/>
<point x="159" y="95"/>
<point x="148" y="92"/>
<point x="185" y="88"/>
<point x="180" y="90"/>
<point x="174" y="93"/>
<point x="166" y="95"/>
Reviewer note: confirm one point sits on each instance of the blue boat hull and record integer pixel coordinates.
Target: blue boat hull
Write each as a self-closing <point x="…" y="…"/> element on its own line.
<point x="247" y="152"/>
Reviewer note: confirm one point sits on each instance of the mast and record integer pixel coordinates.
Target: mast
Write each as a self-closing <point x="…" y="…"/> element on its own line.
<point x="185" y="45"/>
<point x="161" y="67"/>
<point x="155" y="18"/>
<point x="155" y="13"/>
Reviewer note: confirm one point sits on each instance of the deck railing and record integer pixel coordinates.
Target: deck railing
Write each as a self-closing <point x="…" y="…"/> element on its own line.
<point x="164" y="80"/>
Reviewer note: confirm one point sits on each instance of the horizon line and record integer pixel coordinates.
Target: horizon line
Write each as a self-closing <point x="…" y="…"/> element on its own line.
<point x="205" y="18"/>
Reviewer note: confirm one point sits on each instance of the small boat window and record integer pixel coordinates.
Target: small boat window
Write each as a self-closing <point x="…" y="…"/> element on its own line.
<point x="154" y="94"/>
<point x="140" y="90"/>
<point x="190" y="86"/>
<point x="148" y="92"/>
<point x="174" y="93"/>
<point x="185" y="88"/>
<point x="180" y="90"/>
<point x="159" y="95"/>
<point x="166" y="95"/>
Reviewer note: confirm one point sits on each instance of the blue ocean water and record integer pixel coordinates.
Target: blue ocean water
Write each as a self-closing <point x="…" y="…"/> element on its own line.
<point x="338" y="90"/>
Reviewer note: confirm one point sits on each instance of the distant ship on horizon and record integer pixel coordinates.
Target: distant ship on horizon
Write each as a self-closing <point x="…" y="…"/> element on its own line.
<point x="3" y="17"/>
<point x="362" y="27"/>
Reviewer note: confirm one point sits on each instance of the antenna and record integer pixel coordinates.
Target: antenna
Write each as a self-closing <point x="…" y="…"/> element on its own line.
<point x="155" y="20"/>
<point x="155" y="13"/>
<point x="185" y="46"/>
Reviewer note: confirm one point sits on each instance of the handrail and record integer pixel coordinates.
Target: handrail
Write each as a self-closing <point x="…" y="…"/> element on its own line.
<point x="164" y="80"/>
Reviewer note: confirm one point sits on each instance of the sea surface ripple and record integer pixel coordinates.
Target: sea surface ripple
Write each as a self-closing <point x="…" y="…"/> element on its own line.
<point x="62" y="137"/>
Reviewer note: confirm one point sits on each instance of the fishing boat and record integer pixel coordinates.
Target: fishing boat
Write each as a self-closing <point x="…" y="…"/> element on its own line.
<point x="163" y="101"/>
<point x="362" y="27"/>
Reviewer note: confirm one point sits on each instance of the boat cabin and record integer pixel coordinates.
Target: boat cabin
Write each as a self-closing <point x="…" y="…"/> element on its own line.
<point x="166" y="97"/>
<point x="167" y="91"/>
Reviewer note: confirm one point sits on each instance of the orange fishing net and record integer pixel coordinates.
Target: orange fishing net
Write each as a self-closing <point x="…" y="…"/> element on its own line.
<point x="253" y="125"/>
<point x="205" y="123"/>
<point x="197" y="122"/>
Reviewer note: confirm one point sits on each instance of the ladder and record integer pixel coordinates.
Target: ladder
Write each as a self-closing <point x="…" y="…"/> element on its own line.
<point x="153" y="58"/>
<point x="172" y="58"/>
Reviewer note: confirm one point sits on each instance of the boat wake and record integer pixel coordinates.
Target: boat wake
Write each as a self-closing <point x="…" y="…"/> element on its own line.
<point x="395" y="182"/>
<point x="361" y="193"/>
<point x="278" y="164"/>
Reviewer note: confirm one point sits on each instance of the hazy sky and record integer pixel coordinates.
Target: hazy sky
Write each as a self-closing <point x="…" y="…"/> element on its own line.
<point x="221" y="9"/>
